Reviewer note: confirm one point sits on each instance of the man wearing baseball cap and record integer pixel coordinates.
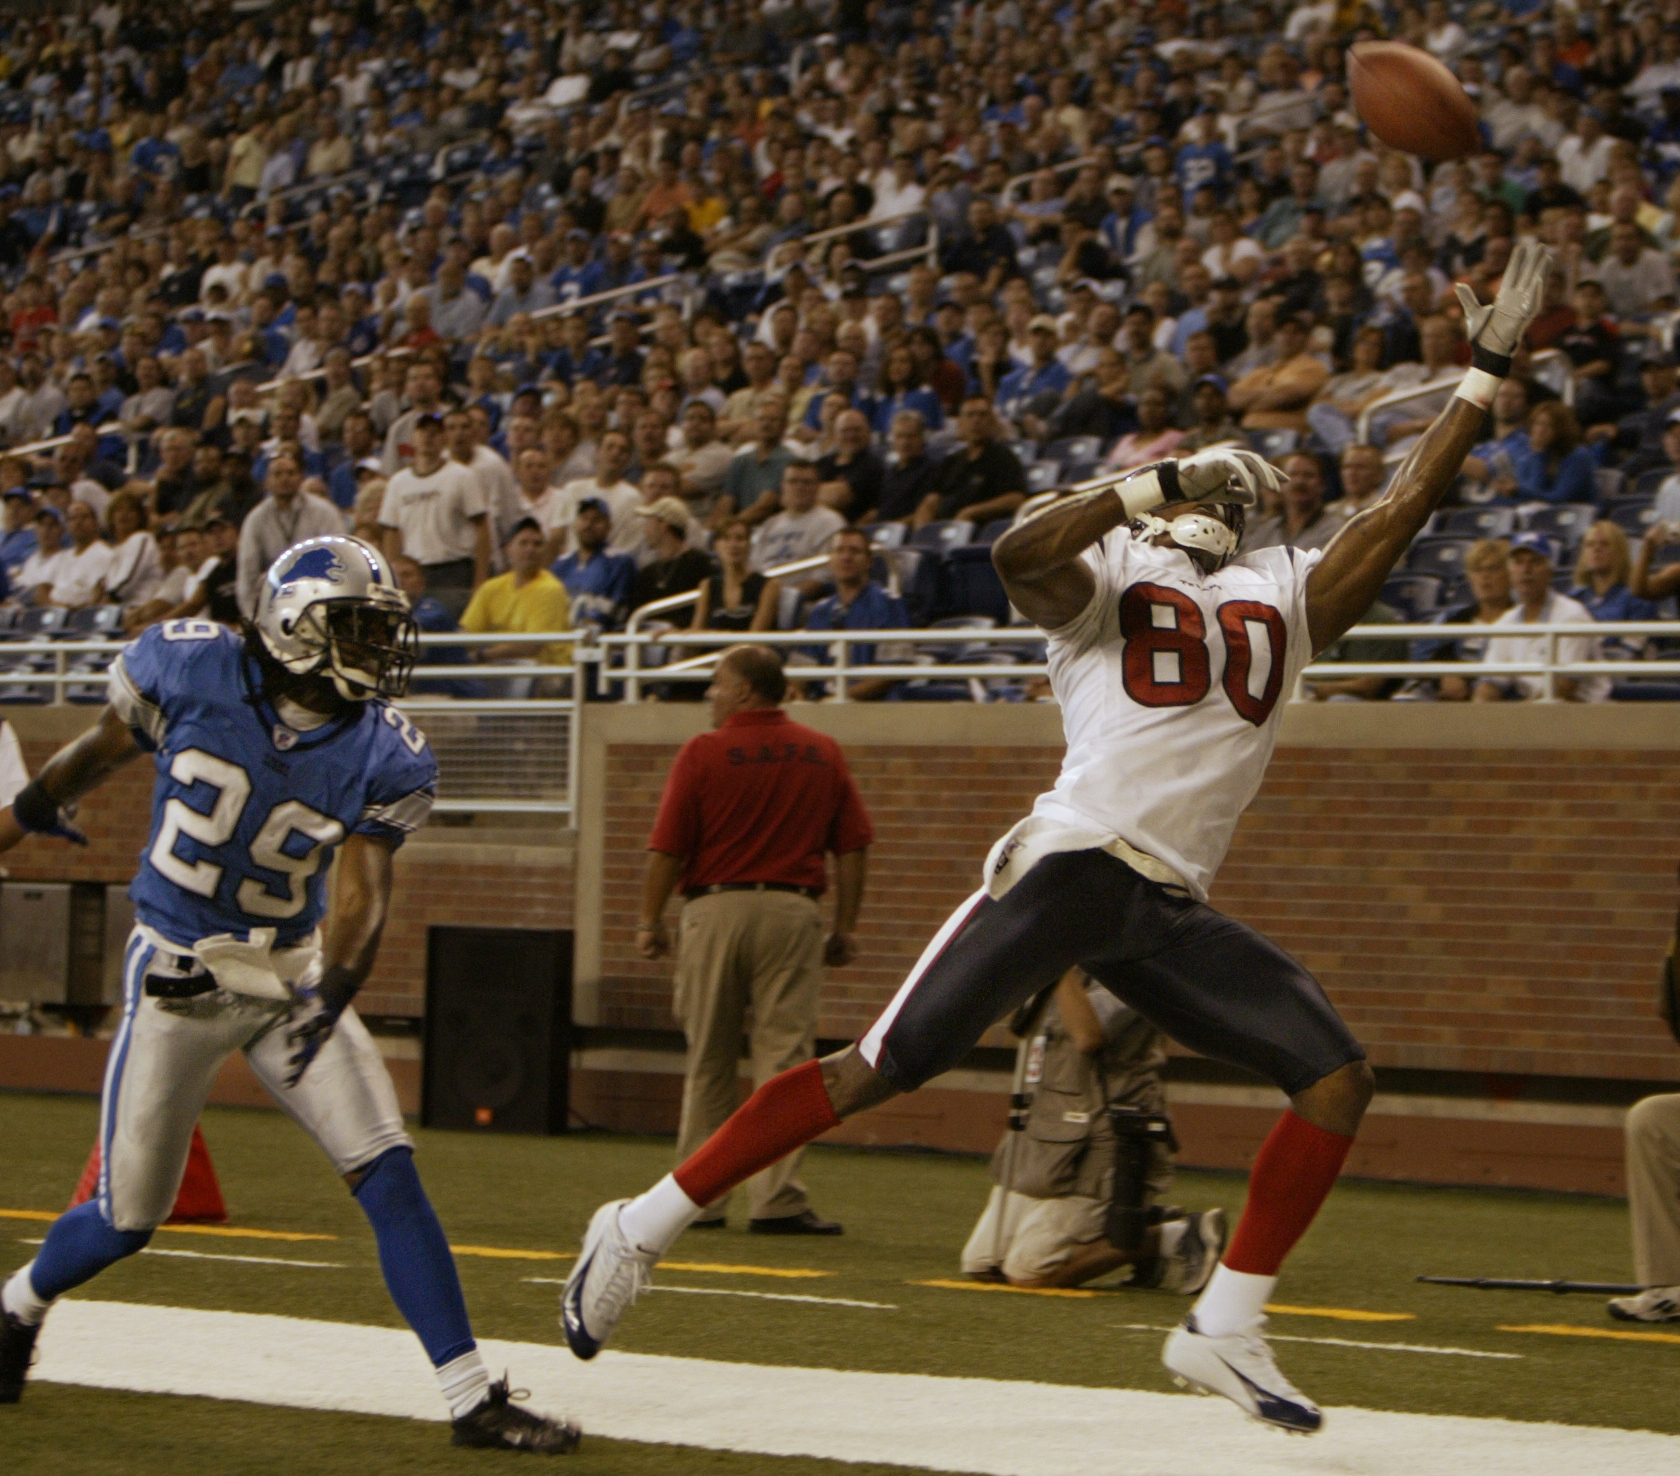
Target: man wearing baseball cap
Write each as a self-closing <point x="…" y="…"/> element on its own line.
<point x="1036" y="388"/>
<point x="1534" y="559"/>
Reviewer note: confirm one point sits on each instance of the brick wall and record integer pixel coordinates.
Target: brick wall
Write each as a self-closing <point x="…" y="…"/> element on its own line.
<point x="1482" y="909"/>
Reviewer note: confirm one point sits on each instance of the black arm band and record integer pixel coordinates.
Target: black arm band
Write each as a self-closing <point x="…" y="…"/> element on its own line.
<point x="1498" y="365"/>
<point x="337" y="988"/>
<point x="1166" y="473"/>
<point x="34" y="809"/>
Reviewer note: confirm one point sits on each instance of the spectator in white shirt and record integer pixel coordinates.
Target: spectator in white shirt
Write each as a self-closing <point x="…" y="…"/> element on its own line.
<point x="612" y="457"/>
<point x="1584" y="157"/>
<point x="899" y="192"/>
<point x="434" y="511"/>
<point x="1636" y="279"/>
<point x="135" y="573"/>
<point x="1534" y="558"/>
<point x="34" y="580"/>
<point x="467" y="448"/>
<point x="802" y="528"/>
<point x="80" y="574"/>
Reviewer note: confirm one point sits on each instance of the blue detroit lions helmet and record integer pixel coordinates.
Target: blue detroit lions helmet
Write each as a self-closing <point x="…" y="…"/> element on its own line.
<point x="330" y="607"/>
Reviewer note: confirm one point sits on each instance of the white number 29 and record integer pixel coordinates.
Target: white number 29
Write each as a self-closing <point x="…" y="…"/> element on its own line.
<point x="232" y="787"/>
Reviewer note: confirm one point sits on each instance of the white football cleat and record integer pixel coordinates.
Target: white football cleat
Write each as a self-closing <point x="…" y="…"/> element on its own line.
<point x="1654" y="1304"/>
<point x="611" y="1272"/>
<point x="1190" y="1266"/>
<point x="1240" y="1367"/>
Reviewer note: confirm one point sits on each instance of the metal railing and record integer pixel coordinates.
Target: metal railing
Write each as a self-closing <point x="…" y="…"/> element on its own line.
<point x="1362" y="426"/>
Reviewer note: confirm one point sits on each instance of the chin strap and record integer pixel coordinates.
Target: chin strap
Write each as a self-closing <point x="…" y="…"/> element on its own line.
<point x="1194" y="533"/>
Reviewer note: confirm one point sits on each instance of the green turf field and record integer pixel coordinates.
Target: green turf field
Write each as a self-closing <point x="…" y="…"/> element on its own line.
<point x="907" y="1216"/>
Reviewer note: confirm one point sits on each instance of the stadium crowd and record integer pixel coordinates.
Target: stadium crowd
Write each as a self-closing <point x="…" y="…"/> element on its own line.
<point x="573" y="308"/>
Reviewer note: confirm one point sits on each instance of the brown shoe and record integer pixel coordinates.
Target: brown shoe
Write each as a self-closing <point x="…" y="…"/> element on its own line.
<point x="806" y="1222"/>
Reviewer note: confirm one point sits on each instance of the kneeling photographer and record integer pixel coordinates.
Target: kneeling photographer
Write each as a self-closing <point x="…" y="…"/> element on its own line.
<point x="1087" y="1159"/>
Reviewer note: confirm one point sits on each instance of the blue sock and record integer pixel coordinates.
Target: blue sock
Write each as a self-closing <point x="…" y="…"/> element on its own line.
<point x="79" y="1246"/>
<point x="413" y="1254"/>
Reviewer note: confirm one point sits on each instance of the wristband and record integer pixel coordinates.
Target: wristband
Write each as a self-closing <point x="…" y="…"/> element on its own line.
<point x="34" y="809"/>
<point x="1478" y="387"/>
<point x="337" y="988"/>
<point x="1148" y="488"/>
<point x="1498" y="365"/>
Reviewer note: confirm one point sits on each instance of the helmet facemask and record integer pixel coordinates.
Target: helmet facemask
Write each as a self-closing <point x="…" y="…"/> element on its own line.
<point x="365" y="650"/>
<point x="1210" y="537"/>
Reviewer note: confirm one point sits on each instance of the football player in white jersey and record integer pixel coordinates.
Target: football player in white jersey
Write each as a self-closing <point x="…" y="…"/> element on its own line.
<point x="1169" y="657"/>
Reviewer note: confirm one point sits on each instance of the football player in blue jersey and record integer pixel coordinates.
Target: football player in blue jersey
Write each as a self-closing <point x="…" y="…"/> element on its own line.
<point x="274" y="748"/>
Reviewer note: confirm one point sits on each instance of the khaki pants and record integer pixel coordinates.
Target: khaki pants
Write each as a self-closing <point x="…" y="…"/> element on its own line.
<point x="1037" y="1238"/>
<point x="742" y="954"/>
<point x="1653" y="1181"/>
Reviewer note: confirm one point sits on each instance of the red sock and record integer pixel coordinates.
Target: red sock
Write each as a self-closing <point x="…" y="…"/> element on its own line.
<point x="783" y="1114"/>
<point x="1292" y="1176"/>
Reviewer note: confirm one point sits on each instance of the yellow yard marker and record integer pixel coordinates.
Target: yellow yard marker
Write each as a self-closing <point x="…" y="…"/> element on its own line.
<point x="1570" y="1330"/>
<point x="1342" y="1314"/>
<point x="497" y="1253"/>
<point x="234" y="1232"/>
<point x="1024" y="1291"/>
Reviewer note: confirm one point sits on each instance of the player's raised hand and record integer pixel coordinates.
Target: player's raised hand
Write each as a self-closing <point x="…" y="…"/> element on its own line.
<point x="1227" y="474"/>
<point x="34" y="812"/>
<point x="1498" y="328"/>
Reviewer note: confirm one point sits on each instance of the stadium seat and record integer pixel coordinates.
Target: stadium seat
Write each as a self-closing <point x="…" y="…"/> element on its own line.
<point x="951" y="533"/>
<point x="1043" y="475"/>
<point x="1074" y="448"/>
<point x="1274" y="444"/>
<point x="1568" y="522"/>
<point x="1610" y="483"/>
<point x="1649" y="481"/>
<point x="1442" y="557"/>
<point x="886" y="535"/>
<point x="1474" y="522"/>
<point x="994" y="530"/>
<point x="1412" y="595"/>
<point x="1080" y="471"/>
<point x="1633" y="515"/>
<point x="971" y="587"/>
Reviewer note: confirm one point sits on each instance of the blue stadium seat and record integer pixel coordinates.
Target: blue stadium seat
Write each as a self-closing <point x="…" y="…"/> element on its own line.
<point x="1649" y="481"/>
<point x="1568" y="522"/>
<point x="886" y="535"/>
<point x="994" y="530"/>
<point x="1080" y="471"/>
<point x="1474" y="522"/>
<point x="1043" y="475"/>
<point x="1633" y="515"/>
<point x="1274" y="445"/>
<point x="1442" y="557"/>
<point x="951" y="533"/>
<point x="1074" y="448"/>
<point x="972" y="586"/>
<point x="1611" y="483"/>
<point x="1412" y="595"/>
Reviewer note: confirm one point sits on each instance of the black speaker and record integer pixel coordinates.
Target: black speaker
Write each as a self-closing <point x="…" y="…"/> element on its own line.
<point x="498" y="1029"/>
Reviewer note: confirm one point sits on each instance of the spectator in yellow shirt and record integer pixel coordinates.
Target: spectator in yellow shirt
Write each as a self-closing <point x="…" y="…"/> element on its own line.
<point x="525" y="600"/>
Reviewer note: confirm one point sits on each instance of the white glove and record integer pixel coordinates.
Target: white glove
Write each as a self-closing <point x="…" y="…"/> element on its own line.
<point x="1219" y="474"/>
<point x="1496" y="331"/>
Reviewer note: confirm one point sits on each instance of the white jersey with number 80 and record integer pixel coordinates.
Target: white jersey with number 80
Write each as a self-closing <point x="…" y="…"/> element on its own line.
<point x="1171" y="682"/>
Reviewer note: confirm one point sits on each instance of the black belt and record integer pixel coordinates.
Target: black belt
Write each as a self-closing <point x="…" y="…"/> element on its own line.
<point x="161" y="986"/>
<point x="812" y="892"/>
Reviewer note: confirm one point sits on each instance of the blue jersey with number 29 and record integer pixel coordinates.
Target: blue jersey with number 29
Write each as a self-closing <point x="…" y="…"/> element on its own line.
<point x="246" y="811"/>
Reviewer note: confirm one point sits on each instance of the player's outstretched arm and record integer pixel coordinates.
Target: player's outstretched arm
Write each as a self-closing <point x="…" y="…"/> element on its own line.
<point x="1346" y="582"/>
<point x="79" y="767"/>
<point x="1039" y="559"/>
<point x="350" y="943"/>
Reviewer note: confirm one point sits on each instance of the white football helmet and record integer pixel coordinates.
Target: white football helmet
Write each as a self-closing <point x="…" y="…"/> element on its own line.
<point x="331" y="607"/>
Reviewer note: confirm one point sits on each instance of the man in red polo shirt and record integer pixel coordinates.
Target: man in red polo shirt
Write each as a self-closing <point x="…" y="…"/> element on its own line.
<point x="748" y="812"/>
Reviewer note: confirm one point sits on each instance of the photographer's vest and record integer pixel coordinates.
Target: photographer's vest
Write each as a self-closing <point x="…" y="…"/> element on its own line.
<point x="1067" y="1146"/>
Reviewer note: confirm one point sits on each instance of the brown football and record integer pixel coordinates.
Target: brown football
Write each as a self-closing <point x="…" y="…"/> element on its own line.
<point x="1411" y="101"/>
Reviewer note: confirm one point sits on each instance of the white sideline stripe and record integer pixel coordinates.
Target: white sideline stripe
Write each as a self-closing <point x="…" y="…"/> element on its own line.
<point x="718" y="1291"/>
<point x="156" y="1250"/>
<point x="987" y="1426"/>
<point x="1272" y="1337"/>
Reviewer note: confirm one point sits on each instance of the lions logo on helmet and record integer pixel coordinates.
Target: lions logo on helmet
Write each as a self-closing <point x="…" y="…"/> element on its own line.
<point x="330" y="607"/>
<point x="312" y="563"/>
